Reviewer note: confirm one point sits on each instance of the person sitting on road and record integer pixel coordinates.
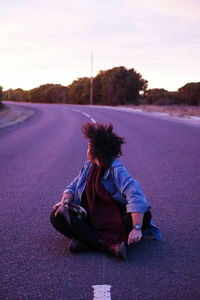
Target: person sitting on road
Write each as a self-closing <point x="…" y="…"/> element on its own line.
<point x="103" y="208"/>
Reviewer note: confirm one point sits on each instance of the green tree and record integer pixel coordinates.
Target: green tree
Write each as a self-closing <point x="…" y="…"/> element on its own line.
<point x="118" y="86"/>
<point x="49" y="93"/>
<point x="160" y="97"/>
<point x="15" y="95"/>
<point x="1" y="96"/>
<point x="79" y="91"/>
<point x="111" y="87"/>
<point x="189" y="94"/>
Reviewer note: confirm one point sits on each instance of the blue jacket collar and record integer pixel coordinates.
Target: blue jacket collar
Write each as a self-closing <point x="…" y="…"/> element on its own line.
<point x="107" y="172"/>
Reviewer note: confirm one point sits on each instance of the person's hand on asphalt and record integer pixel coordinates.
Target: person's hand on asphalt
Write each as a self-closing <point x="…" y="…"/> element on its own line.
<point x="134" y="236"/>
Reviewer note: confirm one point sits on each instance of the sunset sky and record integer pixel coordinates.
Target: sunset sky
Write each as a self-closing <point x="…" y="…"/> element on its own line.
<point x="50" y="41"/>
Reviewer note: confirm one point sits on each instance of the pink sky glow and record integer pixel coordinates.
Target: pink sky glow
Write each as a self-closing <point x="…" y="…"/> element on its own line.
<point x="46" y="41"/>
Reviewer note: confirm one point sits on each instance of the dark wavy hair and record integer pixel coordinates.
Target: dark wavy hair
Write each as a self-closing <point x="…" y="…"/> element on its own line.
<point x="104" y="143"/>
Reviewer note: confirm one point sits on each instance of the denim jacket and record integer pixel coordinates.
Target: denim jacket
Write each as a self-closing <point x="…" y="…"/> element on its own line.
<point x="122" y="189"/>
<point x="119" y="184"/>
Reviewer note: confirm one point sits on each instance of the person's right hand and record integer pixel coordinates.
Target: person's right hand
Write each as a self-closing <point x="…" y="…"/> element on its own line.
<point x="56" y="205"/>
<point x="56" y="208"/>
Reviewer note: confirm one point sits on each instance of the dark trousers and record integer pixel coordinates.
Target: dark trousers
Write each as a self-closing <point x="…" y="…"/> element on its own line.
<point x="83" y="231"/>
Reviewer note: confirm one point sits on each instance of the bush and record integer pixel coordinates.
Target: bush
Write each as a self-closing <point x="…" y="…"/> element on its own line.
<point x="116" y="86"/>
<point x="189" y="94"/>
<point x="1" y="97"/>
<point x="160" y="97"/>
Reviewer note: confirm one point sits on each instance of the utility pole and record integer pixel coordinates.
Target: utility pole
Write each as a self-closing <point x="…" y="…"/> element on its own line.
<point x="91" y="80"/>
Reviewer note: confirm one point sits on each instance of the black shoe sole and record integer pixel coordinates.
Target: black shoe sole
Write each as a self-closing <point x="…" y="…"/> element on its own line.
<point x="123" y="250"/>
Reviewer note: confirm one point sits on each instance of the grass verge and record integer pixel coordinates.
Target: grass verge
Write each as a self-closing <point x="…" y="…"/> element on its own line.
<point x="177" y="110"/>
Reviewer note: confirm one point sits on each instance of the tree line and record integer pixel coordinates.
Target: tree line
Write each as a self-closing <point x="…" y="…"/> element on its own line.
<point x="116" y="86"/>
<point x="1" y="96"/>
<point x="189" y="94"/>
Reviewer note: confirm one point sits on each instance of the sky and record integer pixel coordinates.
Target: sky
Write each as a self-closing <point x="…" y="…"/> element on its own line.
<point x="50" y="41"/>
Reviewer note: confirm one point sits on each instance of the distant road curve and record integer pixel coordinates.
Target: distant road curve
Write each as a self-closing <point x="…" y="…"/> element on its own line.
<point x="20" y="111"/>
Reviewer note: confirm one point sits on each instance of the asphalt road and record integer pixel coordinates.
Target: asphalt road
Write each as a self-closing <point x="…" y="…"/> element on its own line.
<point x="41" y="155"/>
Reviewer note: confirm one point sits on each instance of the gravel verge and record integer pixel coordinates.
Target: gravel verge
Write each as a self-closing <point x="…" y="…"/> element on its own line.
<point x="13" y="114"/>
<point x="182" y="111"/>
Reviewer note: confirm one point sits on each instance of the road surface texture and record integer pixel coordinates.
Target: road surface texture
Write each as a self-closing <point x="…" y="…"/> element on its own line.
<point x="40" y="156"/>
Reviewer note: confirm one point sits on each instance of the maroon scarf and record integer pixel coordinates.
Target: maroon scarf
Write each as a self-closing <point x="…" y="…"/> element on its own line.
<point x="103" y="212"/>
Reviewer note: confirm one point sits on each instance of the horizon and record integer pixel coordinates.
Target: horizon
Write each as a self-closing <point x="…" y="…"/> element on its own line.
<point x="51" y="83"/>
<point x="51" y="42"/>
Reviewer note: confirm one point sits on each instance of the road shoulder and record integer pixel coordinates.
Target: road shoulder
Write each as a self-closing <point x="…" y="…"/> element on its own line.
<point x="189" y="120"/>
<point x="12" y="114"/>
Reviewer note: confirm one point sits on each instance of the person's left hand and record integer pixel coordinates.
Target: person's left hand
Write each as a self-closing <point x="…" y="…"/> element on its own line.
<point x="134" y="236"/>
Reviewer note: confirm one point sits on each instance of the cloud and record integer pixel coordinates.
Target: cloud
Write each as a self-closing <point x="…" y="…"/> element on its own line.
<point x="52" y="40"/>
<point x="182" y="8"/>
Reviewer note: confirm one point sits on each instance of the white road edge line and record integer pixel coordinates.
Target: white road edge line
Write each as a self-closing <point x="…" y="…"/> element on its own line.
<point x="102" y="292"/>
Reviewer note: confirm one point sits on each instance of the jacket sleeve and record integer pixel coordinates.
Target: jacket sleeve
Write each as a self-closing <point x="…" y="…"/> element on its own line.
<point x="131" y="190"/>
<point x="72" y="186"/>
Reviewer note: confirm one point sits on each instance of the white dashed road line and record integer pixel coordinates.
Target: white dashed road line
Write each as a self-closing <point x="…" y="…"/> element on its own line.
<point x="73" y="110"/>
<point x="101" y="292"/>
<point x="83" y="113"/>
<point x="93" y="121"/>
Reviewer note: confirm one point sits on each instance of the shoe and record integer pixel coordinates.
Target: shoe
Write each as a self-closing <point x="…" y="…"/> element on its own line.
<point x="119" y="250"/>
<point x="77" y="246"/>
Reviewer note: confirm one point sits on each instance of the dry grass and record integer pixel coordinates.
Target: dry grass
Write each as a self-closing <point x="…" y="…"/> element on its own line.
<point x="178" y="110"/>
<point x="12" y="114"/>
